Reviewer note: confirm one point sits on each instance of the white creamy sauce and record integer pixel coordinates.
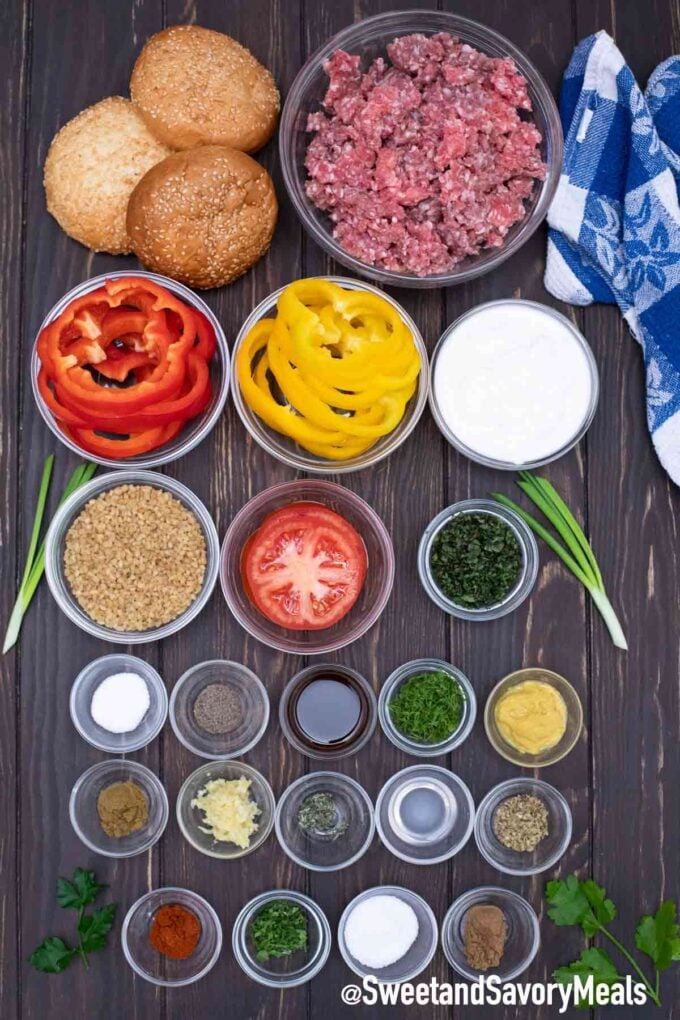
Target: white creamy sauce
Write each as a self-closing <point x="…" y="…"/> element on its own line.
<point x="513" y="383"/>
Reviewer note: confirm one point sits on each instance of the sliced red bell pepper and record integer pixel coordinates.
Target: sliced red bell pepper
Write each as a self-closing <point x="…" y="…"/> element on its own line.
<point x="119" y="449"/>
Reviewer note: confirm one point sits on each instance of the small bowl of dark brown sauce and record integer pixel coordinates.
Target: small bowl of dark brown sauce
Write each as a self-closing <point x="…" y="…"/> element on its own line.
<point x="328" y="711"/>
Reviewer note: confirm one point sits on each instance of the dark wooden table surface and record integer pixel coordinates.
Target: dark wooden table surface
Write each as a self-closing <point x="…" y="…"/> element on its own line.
<point x="622" y="778"/>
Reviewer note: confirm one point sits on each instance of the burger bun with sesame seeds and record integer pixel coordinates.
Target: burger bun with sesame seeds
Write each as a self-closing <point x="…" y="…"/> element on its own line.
<point x="195" y="87"/>
<point x="92" y="166"/>
<point x="203" y="216"/>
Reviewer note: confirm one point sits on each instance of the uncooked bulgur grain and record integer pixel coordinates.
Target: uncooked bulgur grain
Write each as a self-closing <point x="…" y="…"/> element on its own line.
<point x="135" y="558"/>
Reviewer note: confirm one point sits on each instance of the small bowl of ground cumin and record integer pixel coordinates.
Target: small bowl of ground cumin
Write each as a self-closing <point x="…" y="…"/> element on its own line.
<point x="118" y="808"/>
<point x="171" y="936"/>
<point x="219" y="709"/>
<point x="490" y="931"/>
<point x="132" y="557"/>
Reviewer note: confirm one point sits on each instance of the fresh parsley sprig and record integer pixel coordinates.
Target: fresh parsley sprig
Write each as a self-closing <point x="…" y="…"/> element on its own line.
<point x="586" y="904"/>
<point x="54" y="955"/>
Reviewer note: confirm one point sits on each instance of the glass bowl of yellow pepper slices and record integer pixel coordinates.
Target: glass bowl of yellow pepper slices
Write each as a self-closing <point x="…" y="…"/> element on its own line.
<point x="329" y="375"/>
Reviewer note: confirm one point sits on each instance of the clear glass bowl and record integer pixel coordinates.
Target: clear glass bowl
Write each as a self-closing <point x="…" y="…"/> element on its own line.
<point x="152" y="965"/>
<point x="319" y="851"/>
<point x="502" y="465"/>
<point x="418" y="956"/>
<point x="282" y="971"/>
<point x="251" y="694"/>
<point x="523" y="937"/>
<point x="83" y="808"/>
<point x="287" y="450"/>
<point x="571" y="733"/>
<point x="369" y="39"/>
<point x="195" y="430"/>
<point x="56" y="541"/>
<point x="424" y="814"/>
<point x="374" y="594"/>
<point x="191" y="819"/>
<point x="87" y="682"/>
<point x="360" y="738"/>
<point x="415" y="747"/>
<point x="527" y="544"/>
<point x="549" y="850"/>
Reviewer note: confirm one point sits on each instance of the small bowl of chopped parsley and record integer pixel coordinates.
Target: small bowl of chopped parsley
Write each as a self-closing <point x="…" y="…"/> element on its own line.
<point x="281" y="938"/>
<point x="427" y="707"/>
<point x="478" y="560"/>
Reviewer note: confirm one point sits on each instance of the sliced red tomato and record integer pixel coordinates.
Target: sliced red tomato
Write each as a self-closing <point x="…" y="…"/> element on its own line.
<point x="304" y="567"/>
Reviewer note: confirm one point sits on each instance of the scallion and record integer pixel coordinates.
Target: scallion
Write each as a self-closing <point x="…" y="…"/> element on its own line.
<point x="35" y="558"/>
<point x="576" y="553"/>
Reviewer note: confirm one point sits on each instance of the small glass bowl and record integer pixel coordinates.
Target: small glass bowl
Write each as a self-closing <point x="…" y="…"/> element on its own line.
<point x="415" y="747"/>
<point x="418" y="956"/>
<point x="194" y="430"/>
<point x="362" y="736"/>
<point x="527" y="544"/>
<point x="318" y="851"/>
<point x="287" y="450"/>
<point x="282" y="971"/>
<point x="87" y="682"/>
<point x="56" y="541"/>
<point x="501" y="465"/>
<point x="190" y="819"/>
<point x="433" y="830"/>
<point x="523" y="939"/>
<point x="83" y="808"/>
<point x="369" y="39"/>
<point x="254" y="702"/>
<point x="549" y="850"/>
<point x="570" y="735"/>
<point x="154" y="966"/>
<point x="374" y="594"/>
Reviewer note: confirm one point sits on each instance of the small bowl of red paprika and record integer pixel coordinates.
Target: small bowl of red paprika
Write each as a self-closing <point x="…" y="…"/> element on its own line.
<point x="130" y="369"/>
<point x="171" y="937"/>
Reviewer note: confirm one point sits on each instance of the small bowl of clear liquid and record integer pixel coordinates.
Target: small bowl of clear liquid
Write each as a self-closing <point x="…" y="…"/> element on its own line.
<point x="424" y="814"/>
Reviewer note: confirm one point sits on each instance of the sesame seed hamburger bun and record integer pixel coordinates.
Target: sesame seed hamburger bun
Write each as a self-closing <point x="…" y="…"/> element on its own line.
<point x="92" y="166"/>
<point x="204" y="216"/>
<point x="198" y="87"/>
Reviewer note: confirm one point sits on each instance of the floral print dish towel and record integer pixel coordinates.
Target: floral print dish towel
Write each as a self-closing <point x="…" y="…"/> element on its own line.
<point x="615" y="219"/>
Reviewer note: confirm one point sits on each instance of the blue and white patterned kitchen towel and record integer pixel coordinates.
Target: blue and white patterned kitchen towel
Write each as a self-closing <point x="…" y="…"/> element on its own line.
<point x="615" y="219"/>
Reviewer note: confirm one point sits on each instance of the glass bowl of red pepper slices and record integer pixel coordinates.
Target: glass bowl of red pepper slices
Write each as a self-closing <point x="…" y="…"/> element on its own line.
<point x="130" y="369"/>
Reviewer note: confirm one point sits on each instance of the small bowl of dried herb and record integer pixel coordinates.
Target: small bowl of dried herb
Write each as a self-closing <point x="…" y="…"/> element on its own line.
<point x="427" y="707"/>
<point x="523" y="826"/>
<point x="477" y="563"/>
<point x="281" y="938"/>
<point x="324" y="821"/>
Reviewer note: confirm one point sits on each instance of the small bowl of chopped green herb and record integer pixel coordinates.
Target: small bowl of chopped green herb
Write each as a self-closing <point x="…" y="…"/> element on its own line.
<point x="427" y="707"/>
<point x="523" y="826"/>
<point x="324" y="821"/>
<point x="281" y="938"/>
<point x="478" y="560"/>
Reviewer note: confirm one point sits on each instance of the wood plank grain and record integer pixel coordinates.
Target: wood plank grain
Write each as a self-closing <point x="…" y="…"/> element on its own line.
<point x="634" y="511"/>
<point x="78" y="58"/>
<point x="13" y="96"/>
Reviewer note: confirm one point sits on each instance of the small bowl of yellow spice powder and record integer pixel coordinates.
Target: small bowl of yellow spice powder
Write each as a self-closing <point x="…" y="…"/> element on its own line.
<point x="225" y="809"/>
<point x="118" y="808"/>
<point x="533" y="717"/>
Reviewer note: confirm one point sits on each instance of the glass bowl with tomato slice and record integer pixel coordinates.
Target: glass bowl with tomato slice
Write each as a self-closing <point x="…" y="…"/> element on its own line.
<point x="132" y="401"/>
<point x="307" y="567"/>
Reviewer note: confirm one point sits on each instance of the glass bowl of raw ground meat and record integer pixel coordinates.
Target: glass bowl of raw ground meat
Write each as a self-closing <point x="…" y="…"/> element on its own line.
<point x="419" y="148"/>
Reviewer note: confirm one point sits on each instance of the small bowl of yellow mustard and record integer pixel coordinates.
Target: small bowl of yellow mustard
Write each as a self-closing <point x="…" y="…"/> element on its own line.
<point x="533" y="717"/>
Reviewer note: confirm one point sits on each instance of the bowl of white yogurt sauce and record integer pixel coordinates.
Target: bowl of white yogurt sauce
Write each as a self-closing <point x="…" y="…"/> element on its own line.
<point x="514" y="385"/>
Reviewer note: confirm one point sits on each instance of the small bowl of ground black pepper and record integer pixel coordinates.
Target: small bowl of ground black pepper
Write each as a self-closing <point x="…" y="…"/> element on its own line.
<point x="523" y="826"/>
<point x="118" y="808"/>
<point x="427" y="707"/>
<point x="478" y="560"/>
<point x="219" y="709"/>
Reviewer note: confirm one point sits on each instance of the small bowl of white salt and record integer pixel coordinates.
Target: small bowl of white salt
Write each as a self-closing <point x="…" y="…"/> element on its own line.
<point x="389" y="932"/>
<point x="118" y="703"/>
